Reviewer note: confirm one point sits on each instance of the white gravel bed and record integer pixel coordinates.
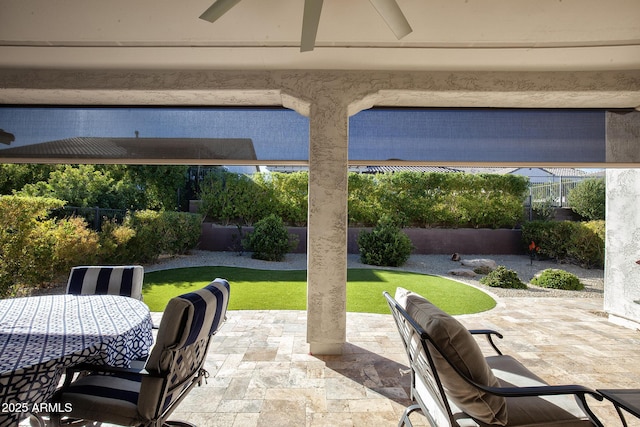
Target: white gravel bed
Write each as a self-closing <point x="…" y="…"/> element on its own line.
<point x="593" y="279"/>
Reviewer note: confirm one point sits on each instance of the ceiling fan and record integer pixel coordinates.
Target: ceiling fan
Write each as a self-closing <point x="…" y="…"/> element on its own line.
<point x="388" y="9"/>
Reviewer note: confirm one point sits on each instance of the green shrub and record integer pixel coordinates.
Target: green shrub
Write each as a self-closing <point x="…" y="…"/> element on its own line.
<point x="502" y="277"/>
<point x="543" y="210"/>
<point x="581" y="243"/>
<point x="588" y="198"/>
<point x="587" y="244"/>
<point x="270" y="240"/>
<point x="363" y="200"/>
<point x="35" y="249"/>
<point x="74" y="244"/>
<point x="385" y="245"/>
<point x="558" y="279"/>
<point x="231" y="198"/>
<point x="410" y="198"/>
<point x="145" y="235"/>
<point x="114" y="238"/>
<point x="291" y="193"/>
<point x="553" y="238"/>
<point x="181" y="232"/>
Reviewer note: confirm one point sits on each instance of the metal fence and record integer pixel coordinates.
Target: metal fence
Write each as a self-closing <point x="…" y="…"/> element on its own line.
<point x="93" y="215"/>
<point x="555" y="192"/>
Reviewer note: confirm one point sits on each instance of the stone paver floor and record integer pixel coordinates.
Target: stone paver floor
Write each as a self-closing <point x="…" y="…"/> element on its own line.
<point x="262" y="374"/>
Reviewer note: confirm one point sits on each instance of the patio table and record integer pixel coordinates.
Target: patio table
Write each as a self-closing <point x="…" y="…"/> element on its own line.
<point x="41" y="336"/>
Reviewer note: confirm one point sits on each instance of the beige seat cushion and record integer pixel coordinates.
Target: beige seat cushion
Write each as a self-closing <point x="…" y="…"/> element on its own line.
<point x="534" y="411"/>
<point x="459" y="346"/>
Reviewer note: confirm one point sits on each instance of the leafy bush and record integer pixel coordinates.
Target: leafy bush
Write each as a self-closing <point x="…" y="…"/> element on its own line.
<point x="24" y="241"/>
<point x="291" y="193"/>
<point x="113" y="242"/>
<point x="410" y="198"/>
<point x="74" y="244"/>
<point x="502" y="277"/>
<point x="558" y="279"/>
<point x="363" y="201"/>
<point x="587" y="244"/>
<point x="232" y="198"/>
<point x="553" y="238"/>
<point x="543" y="210"/>
<point x="581" y="243"/>
<point x="14" y="176"/>
<point x="270" y="240"/>
<point x="385" y="245"/>
<point x="35" y="249"/>
<point x="145" y="235"/>
<point x="106" y="186"/>
<point x="181" y="232"/>
<point x="588" y="198"/>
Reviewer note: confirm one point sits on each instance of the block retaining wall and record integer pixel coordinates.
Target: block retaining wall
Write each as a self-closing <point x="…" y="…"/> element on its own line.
<point x="215" y="237"/>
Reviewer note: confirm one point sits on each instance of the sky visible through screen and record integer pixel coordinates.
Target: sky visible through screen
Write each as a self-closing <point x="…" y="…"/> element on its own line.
<point x="376" y="135"/>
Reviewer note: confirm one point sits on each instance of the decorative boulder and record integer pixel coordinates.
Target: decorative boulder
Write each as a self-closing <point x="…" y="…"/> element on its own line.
<point x="463" y="272"/>
<point x="480" y="263"/>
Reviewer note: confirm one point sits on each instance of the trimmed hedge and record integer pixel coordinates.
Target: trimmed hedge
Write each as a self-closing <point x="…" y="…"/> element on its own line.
<point x="409" y="198"/>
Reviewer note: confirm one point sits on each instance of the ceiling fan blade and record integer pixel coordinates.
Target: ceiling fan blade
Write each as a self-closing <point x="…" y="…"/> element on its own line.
<point x="217" y="9"/>
<point x="393" y="16"/>
<point x="310" y="21"/>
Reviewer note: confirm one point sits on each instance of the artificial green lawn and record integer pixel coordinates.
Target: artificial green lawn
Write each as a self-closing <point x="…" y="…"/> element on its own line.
<point x="253" y="289"/>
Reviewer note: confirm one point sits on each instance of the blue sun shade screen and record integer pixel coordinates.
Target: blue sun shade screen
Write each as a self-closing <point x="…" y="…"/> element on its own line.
<point x="276" y="133"/>
<point x="484" y="135"/>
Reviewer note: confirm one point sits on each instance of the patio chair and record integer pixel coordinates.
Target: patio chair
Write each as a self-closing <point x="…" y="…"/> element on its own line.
<point x="454" y="384"/>
<point x="134" y="397"/>
<point x="123" y="280"/>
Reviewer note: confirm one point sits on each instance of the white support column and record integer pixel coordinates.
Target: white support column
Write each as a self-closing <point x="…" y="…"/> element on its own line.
<point x="327" y="227"/>
<point x="622" y="257"/>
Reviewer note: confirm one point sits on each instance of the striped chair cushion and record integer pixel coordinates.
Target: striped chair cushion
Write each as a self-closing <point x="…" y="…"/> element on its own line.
<point x="112" y="399"/>
<point x="123" y="280"/>
<point x="174" y="364"/>
<point x="183" y="336"/>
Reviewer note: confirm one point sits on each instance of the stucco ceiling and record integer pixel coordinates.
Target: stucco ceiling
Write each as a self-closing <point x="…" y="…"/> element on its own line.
<point x="452" y="35"/>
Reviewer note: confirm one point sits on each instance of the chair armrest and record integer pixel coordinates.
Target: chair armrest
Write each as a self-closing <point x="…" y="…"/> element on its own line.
<point x="107" y="369"/>
<point x="103" y="369"/>
<point x="488" y="333"/>
<point x="551" y="390"/>
<point x="545" y="390"/>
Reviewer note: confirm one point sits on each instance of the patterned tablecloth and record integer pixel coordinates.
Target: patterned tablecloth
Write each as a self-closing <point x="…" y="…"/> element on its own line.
<point x="41" y="336"/>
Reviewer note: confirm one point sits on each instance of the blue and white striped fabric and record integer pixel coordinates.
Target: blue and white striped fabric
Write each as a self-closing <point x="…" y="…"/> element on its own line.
<point x="125" y="280"/>
<point x="189" y="318"/>
<point x="175" y="365"/>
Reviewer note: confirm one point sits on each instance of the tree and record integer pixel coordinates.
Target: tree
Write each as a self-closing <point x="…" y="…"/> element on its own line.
<point x="162" y="185"/>
<point x="588" y="198"/>
<point x="87" y="186"/>
<point x="15" y="176"/>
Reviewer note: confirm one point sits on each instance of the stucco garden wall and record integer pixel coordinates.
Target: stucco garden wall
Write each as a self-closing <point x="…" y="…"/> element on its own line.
<point x="426" y="241"/>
